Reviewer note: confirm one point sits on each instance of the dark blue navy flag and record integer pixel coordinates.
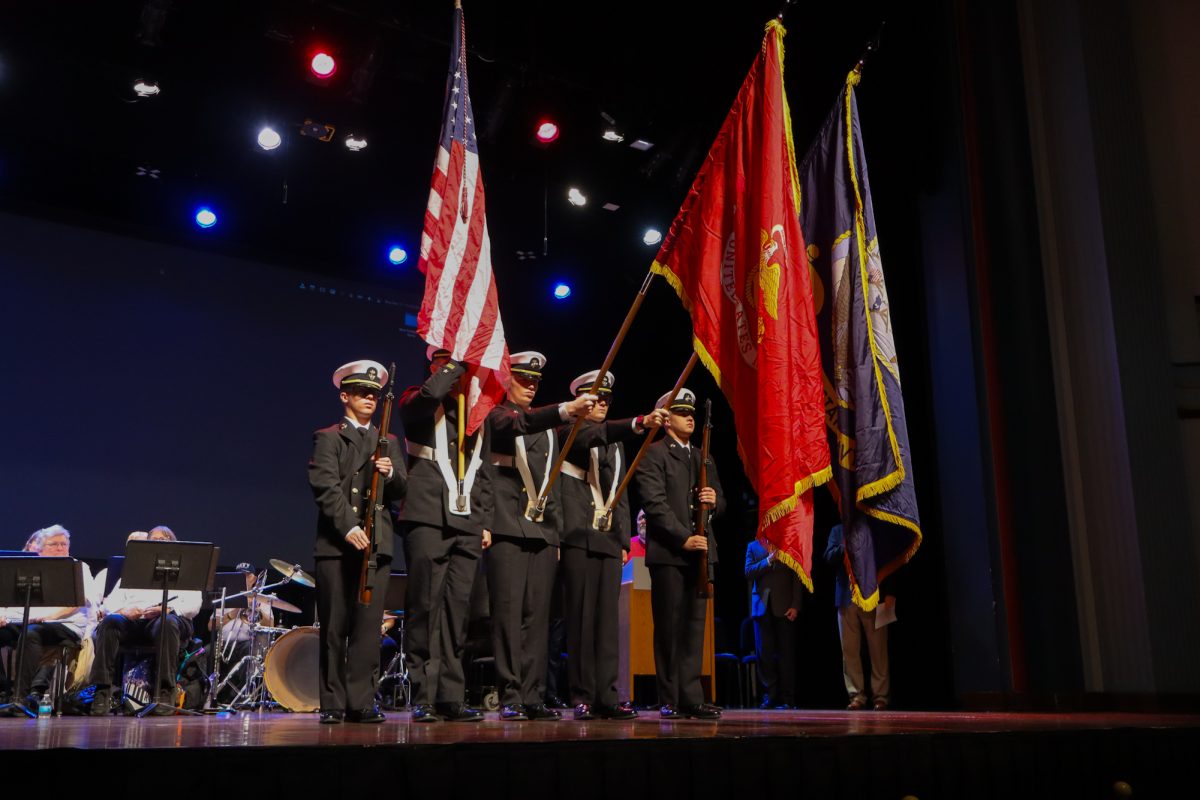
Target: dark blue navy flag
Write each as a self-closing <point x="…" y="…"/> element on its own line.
<point x="864" y="410"/>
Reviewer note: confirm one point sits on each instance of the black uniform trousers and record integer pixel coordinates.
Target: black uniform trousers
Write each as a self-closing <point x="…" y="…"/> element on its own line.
<point x="520" y="579"/>
<point x="34" y="675"/>
<point x="775" y="640"/>
<point x="116" y="630"/>
<point x="442" y="564"/>
<point x="349" y="659"/>
<point x="593" y="586"/>
<point x="679" y="617"/>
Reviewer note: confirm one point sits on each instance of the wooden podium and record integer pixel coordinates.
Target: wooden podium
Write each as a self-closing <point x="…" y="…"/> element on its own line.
<point x="636" y="628"/>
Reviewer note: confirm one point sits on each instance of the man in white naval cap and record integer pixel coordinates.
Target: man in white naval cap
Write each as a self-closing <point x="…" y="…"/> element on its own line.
<point x="339" y="473"/>
<point x="522" y="556"/>
<point x="667" y="484"/>
<point x="443" y="534"/>
<point x="595" y="544"/>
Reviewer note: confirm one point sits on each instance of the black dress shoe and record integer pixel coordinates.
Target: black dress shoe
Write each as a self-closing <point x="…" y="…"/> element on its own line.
<point x="458" y="712"/>
<point x="539" y="711"/>
<point x="365" y="715"/>
<point x="554" y="701"/>
<point x="619" y="711"/>
<point x="332" y="717"/>
<point x="583" y="712"/>
<point x="101" y="703"/>
<point x="767" y="703"/>
<point x="668" y="711"/>
<point x="514" y="712"/>
<point x="702" y="711"/>
<point x="424" y="714"/>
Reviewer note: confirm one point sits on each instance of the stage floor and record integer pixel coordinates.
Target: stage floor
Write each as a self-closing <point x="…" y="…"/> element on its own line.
<point x="261" y="729"/>
<point x="831" y="755"/>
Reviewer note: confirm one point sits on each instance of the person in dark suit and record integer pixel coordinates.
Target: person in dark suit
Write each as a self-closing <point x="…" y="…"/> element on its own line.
<point x="444" y="525"/>
<point x="667" y="483"/>
<point x="339" y="473"/>
<point x="594" y="547"/>
<point x="775" y="597"/>
<point x="522" y="557"/>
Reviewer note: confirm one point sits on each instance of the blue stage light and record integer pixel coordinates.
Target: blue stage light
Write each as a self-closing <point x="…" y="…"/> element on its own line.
<point x="562" y="291"/>
<point x="397" y="255"/>
<point x="205" y="217"/>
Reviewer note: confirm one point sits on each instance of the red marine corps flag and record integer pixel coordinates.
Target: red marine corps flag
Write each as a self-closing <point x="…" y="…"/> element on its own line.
<point x="735" y="255"/>
<point x="460" y="311"/>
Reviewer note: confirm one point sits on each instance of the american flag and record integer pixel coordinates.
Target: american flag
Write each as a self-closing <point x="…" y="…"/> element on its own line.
<point x="460" y="311"/>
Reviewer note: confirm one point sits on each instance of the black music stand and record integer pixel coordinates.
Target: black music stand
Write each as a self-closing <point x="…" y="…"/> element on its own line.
<point x="178" y="566"/>
<point x="53" y="582"/>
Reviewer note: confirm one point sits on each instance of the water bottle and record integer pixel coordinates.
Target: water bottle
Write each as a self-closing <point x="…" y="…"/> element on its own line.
<point x="44" y="708"/>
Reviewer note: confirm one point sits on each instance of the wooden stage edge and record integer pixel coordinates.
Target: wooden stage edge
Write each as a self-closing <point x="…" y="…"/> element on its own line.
<point x="781" y="754"/>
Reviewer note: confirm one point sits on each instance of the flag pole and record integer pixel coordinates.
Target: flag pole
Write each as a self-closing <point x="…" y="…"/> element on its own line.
<point x="536" y="511"/>
<point x="462" y="430"/>
<point x="650" y="436"/>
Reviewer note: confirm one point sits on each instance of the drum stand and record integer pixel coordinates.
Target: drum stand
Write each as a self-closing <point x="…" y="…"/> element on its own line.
<point x="397" y="670"/>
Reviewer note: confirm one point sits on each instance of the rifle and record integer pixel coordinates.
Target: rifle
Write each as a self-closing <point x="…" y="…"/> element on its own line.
<point x="704" y="584"/>
<point x="372" y="502"/>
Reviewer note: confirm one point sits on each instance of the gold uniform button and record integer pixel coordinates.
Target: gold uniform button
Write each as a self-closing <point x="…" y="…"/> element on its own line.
<point x="354" y="509"/>
<point x="354" y="490"/>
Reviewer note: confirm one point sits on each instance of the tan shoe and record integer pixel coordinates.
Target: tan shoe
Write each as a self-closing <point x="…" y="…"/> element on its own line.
<point x="857" y="703"/>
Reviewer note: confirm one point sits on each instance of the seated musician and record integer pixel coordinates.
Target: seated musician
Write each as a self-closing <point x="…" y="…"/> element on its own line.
<point x="47" y="626"/>
<point x="131" y="616"/>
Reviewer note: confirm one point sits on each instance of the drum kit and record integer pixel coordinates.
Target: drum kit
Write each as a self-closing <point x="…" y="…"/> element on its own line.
<point x="280" y="668"/>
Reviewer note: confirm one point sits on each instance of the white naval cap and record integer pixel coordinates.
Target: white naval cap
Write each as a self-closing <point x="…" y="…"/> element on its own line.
<point x="370" y="374"/>
<point x="684" y="401"/>
<point x="528" y="362"/>
<point x="584" y="382"/>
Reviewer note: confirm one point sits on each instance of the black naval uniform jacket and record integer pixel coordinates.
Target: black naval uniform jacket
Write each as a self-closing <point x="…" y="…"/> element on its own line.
<point x="579" y="506"/>
<point x="339" y="473"/>
<point x="666" y="481"/>
<point x="505" y="423"/>
<point x="427" y="501"/>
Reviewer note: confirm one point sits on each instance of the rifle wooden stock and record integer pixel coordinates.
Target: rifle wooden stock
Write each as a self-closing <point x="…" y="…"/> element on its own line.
<point x="703" y="579"/>
<point x="365" y="575"/>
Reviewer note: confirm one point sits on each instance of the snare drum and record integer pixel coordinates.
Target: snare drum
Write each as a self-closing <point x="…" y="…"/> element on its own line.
<point x="292" y="669"/>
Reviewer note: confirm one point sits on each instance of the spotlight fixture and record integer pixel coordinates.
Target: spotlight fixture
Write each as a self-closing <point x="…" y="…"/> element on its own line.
<point x="356" y="143"/>
<point x="317" y="130"/>
<point x="547" y="131"/>
<point x="323" y="65"/>
<point x="148" y="172"/>
<point x="562" y="291"/>
<point x="269" y="139"/>
<point x="145" y="88"/>
<point x="205" y="217"/>
<point x="641" y="144"/>
<point x="397" y="255"/>
<point x="652" y="236"/>
<point x="612" y="136"/>
<point x="576" y="197"/>
<point x="610" y="206"/>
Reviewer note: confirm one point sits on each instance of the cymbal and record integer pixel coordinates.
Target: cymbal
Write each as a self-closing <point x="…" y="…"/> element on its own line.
<point x="293" y="572"/>
<point x="278" y="604"/>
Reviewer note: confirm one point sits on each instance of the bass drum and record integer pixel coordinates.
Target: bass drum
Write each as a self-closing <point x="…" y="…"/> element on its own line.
<point x="292" y="669"/>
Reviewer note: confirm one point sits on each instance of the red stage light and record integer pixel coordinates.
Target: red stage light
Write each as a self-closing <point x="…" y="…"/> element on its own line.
<point x="323" y="65"/>
<point x="547" y="131"/>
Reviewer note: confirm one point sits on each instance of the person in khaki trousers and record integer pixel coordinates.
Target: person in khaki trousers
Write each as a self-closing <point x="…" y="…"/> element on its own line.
<point x="853" y="624"/>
